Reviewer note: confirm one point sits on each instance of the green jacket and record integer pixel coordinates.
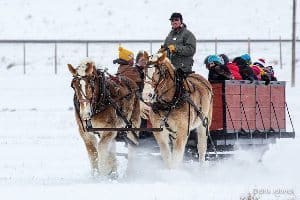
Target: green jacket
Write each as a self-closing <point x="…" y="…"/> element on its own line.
<point x="185" y="43"/>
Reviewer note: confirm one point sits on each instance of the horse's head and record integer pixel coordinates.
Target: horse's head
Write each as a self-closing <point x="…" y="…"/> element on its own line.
<point x="142" y="58"/>
<point x="162" y="78"/>
<point x="164" y="70"/>
<point x="84" y="86"/>
<point x="157" y="58"/>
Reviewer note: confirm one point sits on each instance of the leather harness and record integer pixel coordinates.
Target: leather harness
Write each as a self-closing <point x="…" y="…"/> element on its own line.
<point x="102" y="98"/>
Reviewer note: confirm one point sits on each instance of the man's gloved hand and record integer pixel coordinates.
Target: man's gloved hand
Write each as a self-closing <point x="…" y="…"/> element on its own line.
<point x="172" y="48"/>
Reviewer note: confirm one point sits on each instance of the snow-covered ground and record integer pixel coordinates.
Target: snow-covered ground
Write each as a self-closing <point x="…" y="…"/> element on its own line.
<point x="41" y="153"/>
<point x="43" y="157"/>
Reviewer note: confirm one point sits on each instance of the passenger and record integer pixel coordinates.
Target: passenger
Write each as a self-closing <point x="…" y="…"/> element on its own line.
<point x="217" y="70"/>
<point x="141" y="64"/>
<point x="270" y="71"/>
<point x="232" y="67"/>
<point x="126" y="68"/>
<point x="257" y="71"/>
<point x="260" y="64"/>
<point x="225" y="58"/>
<point x="136" y="73"/>
<point x="244" y="62"/>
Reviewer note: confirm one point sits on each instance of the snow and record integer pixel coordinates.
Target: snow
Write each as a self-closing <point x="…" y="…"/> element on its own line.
<point x="41" y="153"/>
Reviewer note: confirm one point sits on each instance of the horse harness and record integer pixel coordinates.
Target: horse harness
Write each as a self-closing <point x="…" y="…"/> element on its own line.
<point x="181" y="96"/>
<point x="101" y="99"/>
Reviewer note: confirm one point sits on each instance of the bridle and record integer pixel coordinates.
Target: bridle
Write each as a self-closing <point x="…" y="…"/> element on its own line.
<point x="163" y="75"/>
<point x="90" y="80"/>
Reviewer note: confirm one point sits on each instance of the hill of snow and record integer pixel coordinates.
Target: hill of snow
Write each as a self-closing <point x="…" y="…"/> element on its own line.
<point x="145" y="19"/>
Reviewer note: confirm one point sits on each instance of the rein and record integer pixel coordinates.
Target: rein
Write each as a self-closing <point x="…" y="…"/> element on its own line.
<point x="178" y="99"/>
<point x="162" y="78"/>
<point x="180" y="96"/>
<point x="100" y="100"/>
<point x="91" y="81"/>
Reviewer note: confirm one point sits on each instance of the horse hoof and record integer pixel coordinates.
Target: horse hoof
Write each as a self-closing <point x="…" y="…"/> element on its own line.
<point x="204" y="163"/>
<point x="113" y="176"/>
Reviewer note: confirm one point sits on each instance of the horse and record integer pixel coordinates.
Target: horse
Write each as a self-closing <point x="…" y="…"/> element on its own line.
<point x="179" y="109"/>
<point x="105" y="102"/>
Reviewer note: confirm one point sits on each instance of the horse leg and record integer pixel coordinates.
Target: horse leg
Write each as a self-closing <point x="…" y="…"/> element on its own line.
<point x="131" y="158"/>
<point x="107" y="162"/>
<point x="135" y="120"/>
<point x="90" y="141"/>
<point x="179" y="147"/>
<point x="135" y="116"/>
<point x="162" y="139"/>
<point x="112" y="160"/>
<point x="202" y="143"/>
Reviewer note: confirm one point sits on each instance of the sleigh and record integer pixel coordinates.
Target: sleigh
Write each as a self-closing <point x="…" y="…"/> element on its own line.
<point x="226" y="115"/>
<point x="245" y="115"/>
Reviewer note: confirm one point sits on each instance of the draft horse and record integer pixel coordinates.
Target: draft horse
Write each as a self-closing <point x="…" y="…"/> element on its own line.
<point x="106" y="102"/>
<point x="179" y="108"/>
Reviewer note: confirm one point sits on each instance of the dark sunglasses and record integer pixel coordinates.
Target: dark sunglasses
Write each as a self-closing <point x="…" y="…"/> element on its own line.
<point x="175" y="19"/>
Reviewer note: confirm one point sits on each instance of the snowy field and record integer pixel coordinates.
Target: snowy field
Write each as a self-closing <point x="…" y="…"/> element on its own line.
<point x="41" y="153"/>
<point x="43" y="157"/>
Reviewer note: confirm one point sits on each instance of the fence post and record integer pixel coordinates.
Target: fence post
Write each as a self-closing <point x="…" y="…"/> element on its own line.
<point x="24" y="58"/>
<point x="55" y="58"/>
<point x="216" y="46"/>
<point x="249" y="48"/>
<point x="280" y="52"/>
<point x="151" y="47"/>
<point x="87" y="49"/>
<point x="293" y="78"/>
